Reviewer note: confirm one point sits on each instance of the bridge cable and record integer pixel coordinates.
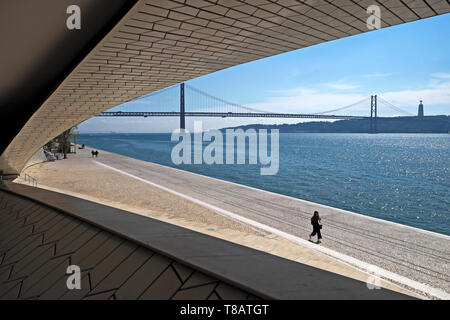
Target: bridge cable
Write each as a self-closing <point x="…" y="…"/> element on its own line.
<point x="390" y="105"/>
<point x="226" y="102"/>
<point x="154" y="93"/>
<point x="342" y="108"/>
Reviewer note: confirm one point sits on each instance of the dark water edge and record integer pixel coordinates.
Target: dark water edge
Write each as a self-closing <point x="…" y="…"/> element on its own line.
<point x="425" y="124"/>
<point x="402" y="178"/>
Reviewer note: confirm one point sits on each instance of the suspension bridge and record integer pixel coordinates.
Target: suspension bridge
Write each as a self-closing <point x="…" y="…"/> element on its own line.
<point x="186" y="101"/>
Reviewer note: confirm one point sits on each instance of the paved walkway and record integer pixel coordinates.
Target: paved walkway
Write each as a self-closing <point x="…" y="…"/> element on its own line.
<point x="419" y="255"/>
<point x="163" y="261"/>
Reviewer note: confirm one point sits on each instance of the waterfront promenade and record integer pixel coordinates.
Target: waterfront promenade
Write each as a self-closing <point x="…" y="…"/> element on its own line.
<point x="352" y="243"/>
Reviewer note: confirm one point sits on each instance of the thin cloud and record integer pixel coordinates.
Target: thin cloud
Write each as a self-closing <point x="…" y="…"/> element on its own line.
<point x="441" y="75"/>
<point x="308" y="101"/>
<point x="293" y="91"/>
<point x="341" y="86"/>
<point x="434" y="94"/>
<point x="313" y="100"/>
<point x="377" y="75"/>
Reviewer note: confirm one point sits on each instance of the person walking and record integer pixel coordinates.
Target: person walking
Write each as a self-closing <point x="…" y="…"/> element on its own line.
<point x="315" y="221"/>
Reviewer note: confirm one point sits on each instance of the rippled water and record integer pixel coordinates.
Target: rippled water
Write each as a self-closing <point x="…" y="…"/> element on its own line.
<point x="401" y="178"/>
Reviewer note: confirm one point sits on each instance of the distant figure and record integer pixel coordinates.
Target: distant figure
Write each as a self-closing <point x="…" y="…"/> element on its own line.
<point x="92" y="153"/>
<point x="96" y="153"/>
<point x="315" y="221"/>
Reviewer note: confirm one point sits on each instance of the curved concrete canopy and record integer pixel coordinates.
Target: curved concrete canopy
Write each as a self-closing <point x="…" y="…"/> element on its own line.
<point x="38" y="52"/>
<point x="158" y="43"/>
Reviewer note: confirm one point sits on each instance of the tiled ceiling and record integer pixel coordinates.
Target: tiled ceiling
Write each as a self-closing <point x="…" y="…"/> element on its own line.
<point x="160" y="43"/>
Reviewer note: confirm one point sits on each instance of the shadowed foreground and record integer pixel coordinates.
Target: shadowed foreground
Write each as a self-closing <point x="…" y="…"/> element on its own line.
<point x="127" y="256"/>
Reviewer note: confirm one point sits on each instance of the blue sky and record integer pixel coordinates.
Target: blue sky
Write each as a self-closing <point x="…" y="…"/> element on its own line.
<point x="403" y="64"/>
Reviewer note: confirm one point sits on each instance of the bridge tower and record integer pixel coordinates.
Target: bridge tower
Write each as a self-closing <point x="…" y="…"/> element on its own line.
<point x="182" y="114"/>
<point x="373" y="114"/>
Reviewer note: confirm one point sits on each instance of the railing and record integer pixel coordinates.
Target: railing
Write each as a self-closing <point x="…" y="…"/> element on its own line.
<point x="29" y="179"/>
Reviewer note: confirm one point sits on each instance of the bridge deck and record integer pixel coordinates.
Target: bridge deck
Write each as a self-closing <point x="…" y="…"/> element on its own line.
<point x="225" y="115"/>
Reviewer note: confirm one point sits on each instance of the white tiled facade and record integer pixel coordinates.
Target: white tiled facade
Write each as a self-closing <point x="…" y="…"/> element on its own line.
<point x="160" y="43"/>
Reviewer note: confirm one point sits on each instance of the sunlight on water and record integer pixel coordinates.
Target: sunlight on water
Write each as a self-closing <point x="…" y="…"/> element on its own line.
<point x="396" y="177"/>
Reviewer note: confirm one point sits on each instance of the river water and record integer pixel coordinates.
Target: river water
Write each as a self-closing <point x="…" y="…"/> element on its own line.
<point x="403" y="178"/>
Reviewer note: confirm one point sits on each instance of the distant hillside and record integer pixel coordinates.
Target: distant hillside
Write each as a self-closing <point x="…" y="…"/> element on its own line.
<point x="428" y="124"/>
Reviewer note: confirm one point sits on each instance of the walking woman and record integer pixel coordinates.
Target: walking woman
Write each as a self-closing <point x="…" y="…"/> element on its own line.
<point x="315" y="221"/>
